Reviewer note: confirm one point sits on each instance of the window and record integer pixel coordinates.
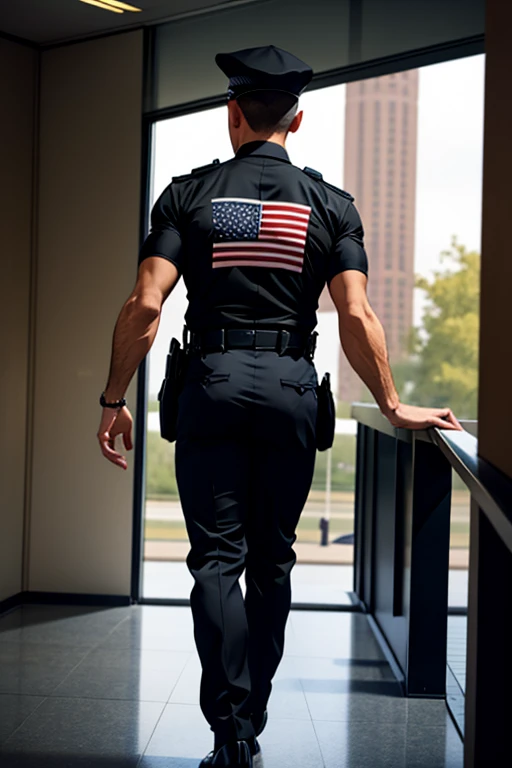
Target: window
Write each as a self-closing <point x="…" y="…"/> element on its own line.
<point x="401" y="141"/>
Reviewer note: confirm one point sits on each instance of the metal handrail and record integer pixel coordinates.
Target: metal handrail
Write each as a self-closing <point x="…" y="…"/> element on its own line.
<point x="491" y="489"/>
<point x="370" y="415"/>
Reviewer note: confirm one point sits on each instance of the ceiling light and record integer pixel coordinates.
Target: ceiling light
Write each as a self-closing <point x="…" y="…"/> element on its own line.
<point x="122" y="6"/>
<point x="102" y="5"/>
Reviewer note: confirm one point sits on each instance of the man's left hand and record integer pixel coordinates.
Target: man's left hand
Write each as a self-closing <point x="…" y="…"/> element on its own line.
<point x="115" y="423"/>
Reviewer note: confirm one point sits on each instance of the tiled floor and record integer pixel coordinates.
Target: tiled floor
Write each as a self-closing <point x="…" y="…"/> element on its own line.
<point x="456" y="667"/>
<point x="118" y="687"/>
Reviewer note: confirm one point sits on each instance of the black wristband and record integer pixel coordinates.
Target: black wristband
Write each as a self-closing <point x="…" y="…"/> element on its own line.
<point x="117" y="404"/>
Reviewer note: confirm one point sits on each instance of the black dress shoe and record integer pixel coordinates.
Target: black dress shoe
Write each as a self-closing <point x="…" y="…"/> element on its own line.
<point x="236" y="754"/>
<point x="254" y="746"/>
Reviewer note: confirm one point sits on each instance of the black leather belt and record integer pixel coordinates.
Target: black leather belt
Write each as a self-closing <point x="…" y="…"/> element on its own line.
<point x="278" y="340"/>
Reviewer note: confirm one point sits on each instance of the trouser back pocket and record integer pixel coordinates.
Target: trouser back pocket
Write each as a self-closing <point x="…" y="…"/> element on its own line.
<point x="214" y="378"/>
<point x="299" y="386"/>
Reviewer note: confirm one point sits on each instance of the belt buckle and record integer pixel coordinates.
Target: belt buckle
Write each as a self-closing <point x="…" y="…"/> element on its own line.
<point x="261" y="339"/>
<point x="251" y="334"/>
<point x="282" y="341"/>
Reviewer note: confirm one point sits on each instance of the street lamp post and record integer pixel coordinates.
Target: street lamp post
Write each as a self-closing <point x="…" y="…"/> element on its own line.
<point x="324" y="522"/>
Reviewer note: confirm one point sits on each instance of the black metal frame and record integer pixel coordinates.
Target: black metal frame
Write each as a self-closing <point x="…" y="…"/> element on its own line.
<point x="377" y="67"/>
<point x="488" y="706"/>
<point x="423" y="574"/>
<point x="402" y="536"/>
<point x="139" y="479"/>
<point x="19" y="40"/>
<point x="386" y="65"/>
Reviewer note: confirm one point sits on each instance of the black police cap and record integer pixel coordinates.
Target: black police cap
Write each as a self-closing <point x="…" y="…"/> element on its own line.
<point x="264" y="68"/>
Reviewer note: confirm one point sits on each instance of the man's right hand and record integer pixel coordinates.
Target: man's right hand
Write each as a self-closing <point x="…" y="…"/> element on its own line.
<point x="414" y="417"/>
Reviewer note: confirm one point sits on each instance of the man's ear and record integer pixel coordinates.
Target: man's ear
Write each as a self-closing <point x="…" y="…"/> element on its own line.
<point x="295" y="123"/>
<point x="235" y="113"/>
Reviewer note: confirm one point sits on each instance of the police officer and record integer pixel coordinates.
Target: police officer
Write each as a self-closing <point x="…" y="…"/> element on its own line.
<point x="256" y="239"/>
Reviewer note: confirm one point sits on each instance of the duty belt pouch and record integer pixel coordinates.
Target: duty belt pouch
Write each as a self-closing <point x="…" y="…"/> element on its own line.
<point x="170" y="390"/>
<point x="326" y="414"/>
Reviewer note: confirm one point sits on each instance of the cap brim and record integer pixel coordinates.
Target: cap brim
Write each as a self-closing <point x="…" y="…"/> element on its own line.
<point x="225" y="61"/>
<point x="267" y="88"/>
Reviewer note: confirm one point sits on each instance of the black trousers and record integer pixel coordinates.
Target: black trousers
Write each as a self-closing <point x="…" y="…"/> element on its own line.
<point x="245" y="455"/>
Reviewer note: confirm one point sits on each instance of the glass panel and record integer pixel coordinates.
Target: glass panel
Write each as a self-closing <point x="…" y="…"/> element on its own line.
<point x="185" y="50"/>
<point x="325" y="34"/>
<point x="459" y="544"/>
<point x="398" y="25"/>
<point x="178" y="146"/>
<point x="458" y="600"/>
<point x="409" y="147"/>
<point x="324" y="571"/>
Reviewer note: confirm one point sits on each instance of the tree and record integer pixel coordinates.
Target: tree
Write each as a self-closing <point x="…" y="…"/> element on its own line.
<point x="447" y="344"/>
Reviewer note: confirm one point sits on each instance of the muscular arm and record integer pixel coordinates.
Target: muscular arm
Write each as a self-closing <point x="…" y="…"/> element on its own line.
<point x="138" y="322"/>
<point x="362" y="338"/>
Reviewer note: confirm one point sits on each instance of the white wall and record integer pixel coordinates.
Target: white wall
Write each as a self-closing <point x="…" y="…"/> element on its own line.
<point x="89" y="193"/>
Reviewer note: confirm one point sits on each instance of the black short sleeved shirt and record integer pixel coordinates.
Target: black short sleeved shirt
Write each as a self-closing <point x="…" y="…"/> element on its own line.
<point x="164" y="238"/>
<point x="256" y="239"/>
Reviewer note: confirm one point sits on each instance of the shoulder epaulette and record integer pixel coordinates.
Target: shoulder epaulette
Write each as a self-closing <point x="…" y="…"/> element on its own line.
<point x="198" y="171"/>
<point x="318" y="177"/>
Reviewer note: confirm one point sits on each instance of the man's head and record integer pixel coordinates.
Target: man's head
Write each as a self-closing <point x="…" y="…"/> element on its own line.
<point x="262" y="115"/>
<point x="263" y="92"/>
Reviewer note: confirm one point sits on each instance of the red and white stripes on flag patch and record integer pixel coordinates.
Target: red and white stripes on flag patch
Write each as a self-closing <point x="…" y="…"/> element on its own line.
<point x="259" y="233"/>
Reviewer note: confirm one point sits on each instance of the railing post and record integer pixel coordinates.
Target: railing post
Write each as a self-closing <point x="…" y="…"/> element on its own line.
<point x="403" y="495"/>
<point x="364" y="516"/>
<point x="488" y="710"/>
<point x="358" y="511"/>
<point x="428" y="545"/>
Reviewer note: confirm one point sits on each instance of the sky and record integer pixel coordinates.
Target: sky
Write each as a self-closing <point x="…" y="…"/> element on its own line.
<point x="449" y="177"/>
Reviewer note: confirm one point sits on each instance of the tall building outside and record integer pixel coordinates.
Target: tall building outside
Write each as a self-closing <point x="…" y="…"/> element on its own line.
<point x="380" y="172"/>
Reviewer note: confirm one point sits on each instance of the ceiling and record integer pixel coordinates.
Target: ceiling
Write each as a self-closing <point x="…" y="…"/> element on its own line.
<point x="54" y="21"/>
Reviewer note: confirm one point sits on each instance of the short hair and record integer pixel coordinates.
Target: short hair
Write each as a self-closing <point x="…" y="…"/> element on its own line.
<point x="268" y="111"/>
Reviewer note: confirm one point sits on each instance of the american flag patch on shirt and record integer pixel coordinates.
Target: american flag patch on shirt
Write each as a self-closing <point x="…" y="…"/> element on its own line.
<point x="256" y="233"/>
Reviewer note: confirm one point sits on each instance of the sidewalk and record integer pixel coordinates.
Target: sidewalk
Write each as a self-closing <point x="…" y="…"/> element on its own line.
<point x="340" y="554"/>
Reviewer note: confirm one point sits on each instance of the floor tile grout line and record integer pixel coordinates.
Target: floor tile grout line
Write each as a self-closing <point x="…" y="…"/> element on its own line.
<point x="191" y="654"/>
<point x="312" y="722"/>
<point x="387" y="723"/>
<point x="180" y="676"/>
<point x="71" y="616"/>
<point x="24" y="721"/>
<point x="94" y="647"/>
<point x="54" y="695"/>
<point x="73" y="669"/>
<point x="382" y="661"/>
<point x="92" y="698"/>
<point x="143" y="752"/>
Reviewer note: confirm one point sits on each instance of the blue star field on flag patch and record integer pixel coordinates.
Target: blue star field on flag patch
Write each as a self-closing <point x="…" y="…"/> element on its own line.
<point x="235" y="221"/>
